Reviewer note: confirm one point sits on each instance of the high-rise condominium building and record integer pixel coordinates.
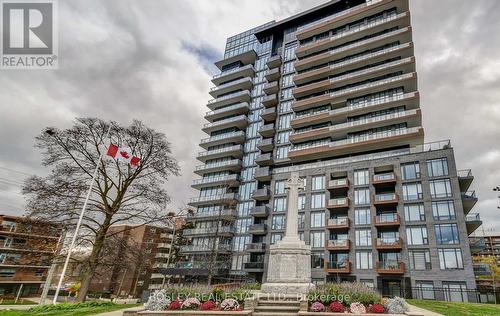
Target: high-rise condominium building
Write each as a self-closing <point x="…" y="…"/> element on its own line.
<point x="331" y="93"/>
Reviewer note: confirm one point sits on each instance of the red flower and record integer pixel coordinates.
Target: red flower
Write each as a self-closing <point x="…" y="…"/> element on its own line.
<point x="208" y="305"/>
<point x="377" y="309"/>
<point x="337" y="307"/>
<point x="175" y="305"/>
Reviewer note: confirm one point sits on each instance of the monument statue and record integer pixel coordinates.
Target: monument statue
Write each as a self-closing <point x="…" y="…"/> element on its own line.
<point x="289" y="267"/>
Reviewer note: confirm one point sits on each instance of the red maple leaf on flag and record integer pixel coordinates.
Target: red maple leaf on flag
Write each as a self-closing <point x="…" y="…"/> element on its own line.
<point x="124" y="154"/>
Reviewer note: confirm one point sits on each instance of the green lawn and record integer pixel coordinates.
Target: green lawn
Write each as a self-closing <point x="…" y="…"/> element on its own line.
<point x="21" y="301"/>
<point x="73" y="312"/>
<point x="456" y="309"/>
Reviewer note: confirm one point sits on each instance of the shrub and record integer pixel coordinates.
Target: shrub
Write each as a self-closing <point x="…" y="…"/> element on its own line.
<point x="175" y="305"/>
<point x="377" y="309"/>
<point x="208" y="305"/>
<point x="69" y="306"/>
<point x="397" y="305"/>
<point x="229" y="304"/>
<point x="317" y="307"/>
<point x="157" y="301"/>
<point x="337" y="307"/>
<point x="346" y="293"/>
<point x="191" y="303"/>
<point x="357" y="308"/>
<point x="218" y="294"/>
<point x="251" y="286"/>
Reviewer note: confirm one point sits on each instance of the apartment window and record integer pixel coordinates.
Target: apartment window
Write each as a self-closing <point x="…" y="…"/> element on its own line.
<point x="318" y="200"/>
<point x="284" y="121"/>
<point x="368" y="282"/>
<point x="425" y="290"/>
<point x="412" y="191"/>
<point x="440" y="188"/>
<point x="301" y="235"/>
<point x="361" y="177"/>
<point x="301" y="202"/>
<point x="279" y="187"/>
<point x="447" y="234"/>
<point x="275" y="238"/>
<point x="450" y="258"/>
<point x="7" y="273"/>
<point x="417" y="235"/>
<point x="363" y="237"/>
<point x="317" y="260"/>
<point x="362" y="216"/>
<point x="410" y="171"/>
<point x="420" y="259"/>
<point x="362" y="196"/>
<point x="283" y="137"/>
<point x="282" y="152"/>
<point x="443" y="210"/>
<point x="437" y="167"/>
<point x="278" y="222"/>
<point x="318" y="239"/>
<point x="279" y="204"/>
<point x="364" y="260"/>
<point x="301" y="220"/>
<point x="414" y="212"/>
<point x="317" y="219"/>
<point x="318" y="183"/>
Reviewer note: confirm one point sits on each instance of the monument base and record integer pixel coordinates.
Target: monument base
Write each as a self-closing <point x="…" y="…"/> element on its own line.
<point x="289" y="269"/>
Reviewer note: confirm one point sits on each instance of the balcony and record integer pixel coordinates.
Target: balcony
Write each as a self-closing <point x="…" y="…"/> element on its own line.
<point x="230" y="165"/>
<point x="354" y="33"/>
<point x="239" y="121"/>
<point x="338" y="223"/>
<point x="226" y="214"/>
<point x="235" y="151"/>
<point x="469" y="199"/>
<point x="338" y="245"/>
<point x="203" y="248"/>
<point x="465" y="179"/>
<point x="402" y="35"/>
<point x="387" y="220"/>
<point x="384" y="178"/>
<point x="400" y="137"/>
<point x="232" y="137"/>
<point x="270" y="100"/>
<point x="407" y="81"/>
<point x="163" y="245"/>
<point x="269" y="115"/>
<point x="235" y="109"/>
<point x="273" y="74"/>
<point x="210" y="231"/>
<point x="342" y="130"/>
<point x="195" y="268"/>
<point x="472" y="222"/>
<point x="231" y="180"/>
<point x="228" y="198"/>
<point x="236" y="97"/>
<point x="236" y="85"/>
<point x="274" y="61"/>
<point x="264" y="159"/>
<point x="261" y="194"/>
<point x="386" y="199"/>
<point x="266" y="145"/>
<point x="337" y="116"/>
<point x="389" y="244"/>
<point x="267" y="130"/>
<point x="338" y="203"/>
<point x="244" y="58"/>
<point x="338" y="267"/>
<point x="254" y="266"/>
<point x="337" y="184"/>
<point x="391" y="267"/>
<point x="260" y="211"/>
<point x="255" y="247"/>
<point x="271" y="88"/>
<point x="404" y="50"/>
<point x="263" y="174"/>
<point x="225" y="76"/>
<point x="257" y="229"/>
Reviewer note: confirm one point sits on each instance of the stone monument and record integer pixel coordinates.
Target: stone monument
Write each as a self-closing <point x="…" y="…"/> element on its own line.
<point x="289" y="268"/>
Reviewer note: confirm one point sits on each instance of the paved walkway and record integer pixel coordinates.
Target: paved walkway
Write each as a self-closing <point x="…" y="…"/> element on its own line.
<point x="120" y="312"/>
<point x="420" y="311"/>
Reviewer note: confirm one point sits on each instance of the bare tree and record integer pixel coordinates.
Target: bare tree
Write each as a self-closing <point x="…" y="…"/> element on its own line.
<point x="121" y="194"/>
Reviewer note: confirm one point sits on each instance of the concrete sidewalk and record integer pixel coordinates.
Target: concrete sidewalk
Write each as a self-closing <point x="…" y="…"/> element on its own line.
<point x="120" y="312"/>
<point x="414" y="310"/>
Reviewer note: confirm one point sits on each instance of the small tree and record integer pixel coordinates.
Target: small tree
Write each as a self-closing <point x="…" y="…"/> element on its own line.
<point x="121" y="194"/>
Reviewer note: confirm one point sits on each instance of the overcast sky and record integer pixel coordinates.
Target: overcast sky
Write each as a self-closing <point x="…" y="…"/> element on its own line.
<point x="153" y="60"/>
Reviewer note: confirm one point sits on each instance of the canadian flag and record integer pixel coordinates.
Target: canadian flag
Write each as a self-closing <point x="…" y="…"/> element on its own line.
<point x="123" y="153"/>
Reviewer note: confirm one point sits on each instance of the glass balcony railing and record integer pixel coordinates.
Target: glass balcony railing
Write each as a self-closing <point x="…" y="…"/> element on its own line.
<point x="226" y="109"/>
<point x="223" y="136"/>
<point x="228" y="96"/>
<point x="218" y="164"/>
<point x="225" y="121"/>
<point x="229" y="177"/>
<point x="385" y="197"/>
<point x="330" y="17"/>
<point x="384" y="177"/>
<point x="231" y="83"/>
<point x="220" y="150"/>
<point x="234" y="70"/>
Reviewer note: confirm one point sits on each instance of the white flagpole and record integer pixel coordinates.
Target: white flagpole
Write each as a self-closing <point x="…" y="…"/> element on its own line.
<point x="73" y="239"/>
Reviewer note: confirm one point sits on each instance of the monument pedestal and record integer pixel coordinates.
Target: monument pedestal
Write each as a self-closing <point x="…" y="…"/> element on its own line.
<point x="289" y="268"/>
